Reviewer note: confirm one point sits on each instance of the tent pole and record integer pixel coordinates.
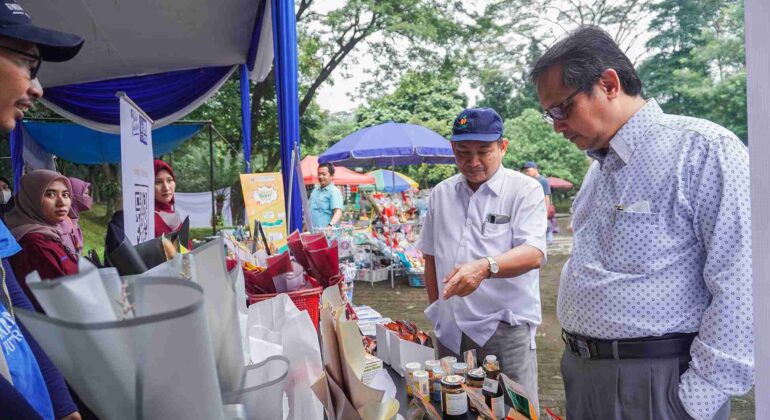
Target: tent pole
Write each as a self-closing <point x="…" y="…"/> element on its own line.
<point x="211" y="181"/>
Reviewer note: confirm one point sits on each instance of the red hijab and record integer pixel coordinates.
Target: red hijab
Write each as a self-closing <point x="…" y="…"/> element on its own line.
<point x="163" y="166"/>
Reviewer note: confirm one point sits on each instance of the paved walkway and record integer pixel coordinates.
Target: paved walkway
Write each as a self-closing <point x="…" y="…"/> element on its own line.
<point x="404" y="302"/>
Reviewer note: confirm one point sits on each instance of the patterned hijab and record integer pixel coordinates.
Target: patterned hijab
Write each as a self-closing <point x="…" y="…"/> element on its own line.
<point x="27" y="216"/>
<point x="79" y="201"/>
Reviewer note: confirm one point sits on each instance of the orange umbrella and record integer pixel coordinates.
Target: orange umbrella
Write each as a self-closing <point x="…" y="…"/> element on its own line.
<point x="342" y="175"/>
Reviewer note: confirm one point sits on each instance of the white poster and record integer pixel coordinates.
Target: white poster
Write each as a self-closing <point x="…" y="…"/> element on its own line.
<point x="137" y="173"/>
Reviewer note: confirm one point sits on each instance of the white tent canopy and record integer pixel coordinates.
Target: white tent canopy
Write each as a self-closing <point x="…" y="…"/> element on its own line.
<point x="139" y="37"/>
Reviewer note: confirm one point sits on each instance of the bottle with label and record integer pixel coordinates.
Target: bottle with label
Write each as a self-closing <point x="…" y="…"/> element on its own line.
<point x="493" y="396"/>
<point x="409" y="369"/>
<point x="454" y="400"/>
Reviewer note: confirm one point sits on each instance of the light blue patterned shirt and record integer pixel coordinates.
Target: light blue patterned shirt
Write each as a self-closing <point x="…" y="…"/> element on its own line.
<point x="662" y="244"/>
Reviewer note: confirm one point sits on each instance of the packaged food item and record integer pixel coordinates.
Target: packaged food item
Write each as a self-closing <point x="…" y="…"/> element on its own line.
<point x="493" y="394"/>
<point x="372" y="366"/>
<point x="474" y="378"/>
<point x="421" y="383"/>
<point x="459" y="369"/>
<point x="409" y="369"/>
<point x="454" y="400"/>
<point x="435" y="392"/>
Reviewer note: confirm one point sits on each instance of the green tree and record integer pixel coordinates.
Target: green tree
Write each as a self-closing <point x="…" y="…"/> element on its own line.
<point x="531" y="139"/>
<point x="698" y="68"/>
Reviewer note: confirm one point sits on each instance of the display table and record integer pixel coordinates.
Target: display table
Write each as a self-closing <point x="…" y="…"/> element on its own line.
<point x="403" y="400"/>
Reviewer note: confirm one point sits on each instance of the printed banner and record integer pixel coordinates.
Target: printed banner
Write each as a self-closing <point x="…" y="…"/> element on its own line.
<point x="137" y="174"/>
<point x="264" y="199"/>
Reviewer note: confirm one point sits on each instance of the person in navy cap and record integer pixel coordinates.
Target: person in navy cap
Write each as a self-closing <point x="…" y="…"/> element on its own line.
<point x="30" y="385"/>
<point x="484" y="242"/>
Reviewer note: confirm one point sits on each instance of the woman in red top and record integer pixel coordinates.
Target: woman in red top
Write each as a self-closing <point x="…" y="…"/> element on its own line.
<point x="167" y="219"/>
<point x="42" y="202"/>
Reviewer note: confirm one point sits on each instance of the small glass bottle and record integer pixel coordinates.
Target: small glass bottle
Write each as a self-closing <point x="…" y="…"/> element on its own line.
<point x="493" y="396"/>
<point x="435" y="393"/>
<point x="421" y="383"/>
<point x="459" y="369"/>
<point x="474" y="378"/>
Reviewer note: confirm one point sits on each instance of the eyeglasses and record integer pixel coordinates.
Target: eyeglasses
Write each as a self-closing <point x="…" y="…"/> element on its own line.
<point x="559" y="112"/>
<point x="32" y="63"/>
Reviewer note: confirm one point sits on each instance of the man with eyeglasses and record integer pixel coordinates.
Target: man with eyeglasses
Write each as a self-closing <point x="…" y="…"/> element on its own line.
<point x="30" y="385"/>
<point x="656" y="298"/>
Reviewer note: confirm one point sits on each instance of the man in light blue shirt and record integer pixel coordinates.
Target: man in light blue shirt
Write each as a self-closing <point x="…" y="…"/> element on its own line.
<point x="325" y="200"/>
<point x="656" y="298"/>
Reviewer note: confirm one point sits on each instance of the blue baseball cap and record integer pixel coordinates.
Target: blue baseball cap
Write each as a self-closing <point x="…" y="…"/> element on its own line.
<point x="479" y="124"/>
<point x="53" y="45"/>
<point x="529" y="164"/>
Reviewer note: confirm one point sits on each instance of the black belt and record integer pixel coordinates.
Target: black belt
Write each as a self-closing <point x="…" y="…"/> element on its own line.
<point x="669" y="345"/>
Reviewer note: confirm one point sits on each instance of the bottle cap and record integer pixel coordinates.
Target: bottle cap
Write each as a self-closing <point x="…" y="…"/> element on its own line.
<point x="491" y="358"/>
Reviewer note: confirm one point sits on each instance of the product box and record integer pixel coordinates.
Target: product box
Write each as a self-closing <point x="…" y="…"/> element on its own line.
<point x="397" y="352"/>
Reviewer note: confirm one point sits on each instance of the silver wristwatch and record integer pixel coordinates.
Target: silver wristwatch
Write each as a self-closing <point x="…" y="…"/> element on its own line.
<point x="493" y="267"/>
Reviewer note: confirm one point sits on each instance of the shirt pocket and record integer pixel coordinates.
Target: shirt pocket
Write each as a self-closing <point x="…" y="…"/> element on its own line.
<point x="630" y="243"/>
<point x="497" y="233"/>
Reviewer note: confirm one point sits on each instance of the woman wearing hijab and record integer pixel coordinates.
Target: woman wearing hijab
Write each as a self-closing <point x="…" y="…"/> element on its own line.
<point x="70" y="231"/>
<point x="42" y="202"/>
<point x="167" y="219"/>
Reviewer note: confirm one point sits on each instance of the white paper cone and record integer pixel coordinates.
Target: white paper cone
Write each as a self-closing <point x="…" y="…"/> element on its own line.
<point x="157" y="365"/>
<point x="80" y="297"/>
<point x="221" y="312"/>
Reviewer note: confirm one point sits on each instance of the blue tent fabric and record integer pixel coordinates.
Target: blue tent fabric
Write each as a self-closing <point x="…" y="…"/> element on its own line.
<point x="287" y="93"/>
<point x="17" y="157"/>
<point x="246" y="117"/>
<point x="251" y="56"/>
<point x="159" y="95"/>
<point x="79" y="144"/>
<point x="390" y="144"/>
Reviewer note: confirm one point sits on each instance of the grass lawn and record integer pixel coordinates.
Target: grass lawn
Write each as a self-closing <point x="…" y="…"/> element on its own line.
<point x="94" y="226"/>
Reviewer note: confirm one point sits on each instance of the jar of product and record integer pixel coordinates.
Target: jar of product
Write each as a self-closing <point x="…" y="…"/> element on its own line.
<point x="435" y="392"/>
<point x="421" y="383"/>
<point x="454" y="401"/>
<point x="493" y="395"/>
<point x="474" y="378"/>
<point x="430" y="365"/>
<point x="451" y="359"/>
<point x="409" y="369"/>
<point x="459" y="369"/>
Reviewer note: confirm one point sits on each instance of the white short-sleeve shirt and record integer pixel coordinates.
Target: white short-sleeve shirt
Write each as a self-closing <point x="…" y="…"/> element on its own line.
<point x="455" y="233"/>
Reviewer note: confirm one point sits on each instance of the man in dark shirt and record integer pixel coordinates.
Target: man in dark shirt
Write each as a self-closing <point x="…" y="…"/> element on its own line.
<point x="30" y="385"/>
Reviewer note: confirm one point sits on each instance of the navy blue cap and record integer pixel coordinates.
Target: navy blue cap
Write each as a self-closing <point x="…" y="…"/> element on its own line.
<point x="480" y="124"/>
<point x="529" y="164"/>
<point x="53" y="45"/>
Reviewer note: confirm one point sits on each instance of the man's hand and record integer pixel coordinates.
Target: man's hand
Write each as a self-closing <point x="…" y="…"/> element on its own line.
<point x="72" y="416"/>
<point x="466" y="278"/>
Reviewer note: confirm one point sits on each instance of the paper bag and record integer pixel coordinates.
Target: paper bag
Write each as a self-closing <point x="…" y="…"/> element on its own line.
<point x="261" y="392"/>
<point x="276" y="326"/>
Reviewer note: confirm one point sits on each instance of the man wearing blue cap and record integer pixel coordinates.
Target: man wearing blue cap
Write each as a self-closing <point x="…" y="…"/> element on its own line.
<point x="484" y="242"/>
<point x="30" y="385"/>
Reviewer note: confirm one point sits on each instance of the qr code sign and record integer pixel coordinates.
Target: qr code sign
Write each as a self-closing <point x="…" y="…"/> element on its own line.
<point x="142" y="209"/>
